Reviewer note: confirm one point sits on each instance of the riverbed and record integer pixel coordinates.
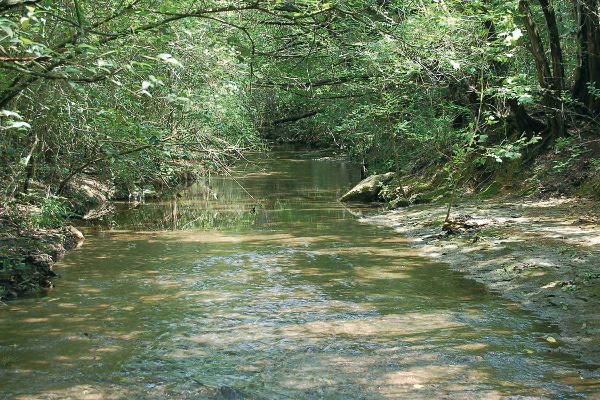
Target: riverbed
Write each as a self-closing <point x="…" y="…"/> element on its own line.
<point x="258" y="284"/>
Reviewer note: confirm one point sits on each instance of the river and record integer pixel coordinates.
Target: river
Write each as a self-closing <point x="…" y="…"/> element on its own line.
<point x="260" y="285"/>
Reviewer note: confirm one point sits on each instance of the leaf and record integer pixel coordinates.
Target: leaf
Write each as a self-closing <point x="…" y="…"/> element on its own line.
<point x="166" y="57"/>
<point x="85" y="46"/>
<point x="8" y="30"/>
<point x="25" y="22"/>
<point x="517" y="34"/>
<point x="155" y="80"/>
<point x="72" y="70"/>
<point x="525" y="99"/>
<point x="26" y="41"/>
<point x="550" y="339"/>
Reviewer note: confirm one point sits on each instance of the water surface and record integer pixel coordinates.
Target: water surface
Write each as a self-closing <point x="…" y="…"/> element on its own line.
<point x="260" y="285"/>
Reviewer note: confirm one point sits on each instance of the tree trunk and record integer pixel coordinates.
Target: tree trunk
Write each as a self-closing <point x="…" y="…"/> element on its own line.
<point x="519" y="118"/>
<point x="558" y="69"/>
<point x="29" y="163"/>
<point x="551" y="91"/>
<point x="522" y="121"/>
<point x="588" y="64"/>
<point x="579" y="89"/>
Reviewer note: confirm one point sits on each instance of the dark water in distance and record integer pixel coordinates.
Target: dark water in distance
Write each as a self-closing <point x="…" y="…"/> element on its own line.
<point x="274" y="291"/>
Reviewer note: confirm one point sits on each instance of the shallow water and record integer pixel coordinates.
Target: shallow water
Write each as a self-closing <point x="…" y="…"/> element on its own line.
<point x="206" y="297"/>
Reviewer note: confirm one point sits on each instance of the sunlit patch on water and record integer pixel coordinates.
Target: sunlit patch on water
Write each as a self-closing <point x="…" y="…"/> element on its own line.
<point x="278" y="295"/>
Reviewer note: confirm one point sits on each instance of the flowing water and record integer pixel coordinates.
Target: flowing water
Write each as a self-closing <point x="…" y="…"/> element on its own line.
<point x="271" y="291"/>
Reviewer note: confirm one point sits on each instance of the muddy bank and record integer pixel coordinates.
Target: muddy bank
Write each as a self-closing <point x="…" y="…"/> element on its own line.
<point x="34" y="231"/>
<point x="27" y="257"/>
<point x="544" y="255"/>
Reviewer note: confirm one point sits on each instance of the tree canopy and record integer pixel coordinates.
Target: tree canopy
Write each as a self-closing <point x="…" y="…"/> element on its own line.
<point x="138" y="91"/>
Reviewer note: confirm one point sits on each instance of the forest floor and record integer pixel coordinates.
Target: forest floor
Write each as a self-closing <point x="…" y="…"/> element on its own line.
<point x="542" y="254"/>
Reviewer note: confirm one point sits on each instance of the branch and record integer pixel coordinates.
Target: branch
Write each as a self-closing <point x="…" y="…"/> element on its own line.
<point x="295" y="118"/>
<point x="23" y="59"/>
<point x="319" y="83"/>
<point x="19" y="84"/>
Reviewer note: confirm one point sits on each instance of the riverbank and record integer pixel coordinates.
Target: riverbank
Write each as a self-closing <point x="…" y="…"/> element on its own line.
<point x="35" y="230"/>
<point x="542" y="254"/>
<point x="27" y="256"/>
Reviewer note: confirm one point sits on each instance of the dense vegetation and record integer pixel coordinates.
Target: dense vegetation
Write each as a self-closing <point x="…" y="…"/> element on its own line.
<point x="138" y="93"/>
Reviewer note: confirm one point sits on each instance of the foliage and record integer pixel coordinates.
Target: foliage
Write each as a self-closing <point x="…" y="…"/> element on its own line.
<point x="140" y="93"/>
<point x="53" y="211"/>
<point x="129" y="93"/>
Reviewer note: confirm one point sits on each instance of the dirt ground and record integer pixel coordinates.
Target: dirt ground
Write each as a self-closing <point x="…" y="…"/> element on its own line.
<point x="542" y="254"/>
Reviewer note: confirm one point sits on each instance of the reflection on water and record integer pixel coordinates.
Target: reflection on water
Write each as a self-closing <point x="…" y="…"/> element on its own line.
<point x="274" y="293"/>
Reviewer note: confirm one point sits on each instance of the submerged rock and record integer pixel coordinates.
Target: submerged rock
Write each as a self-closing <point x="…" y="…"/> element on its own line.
<point x="368" y="190"/>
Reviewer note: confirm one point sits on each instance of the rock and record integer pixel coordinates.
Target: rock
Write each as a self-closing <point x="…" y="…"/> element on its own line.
<point x="43" y="261"/>
<point x="73" y="237"/>
<point x="420" y="198"/>
<point x="585" y="221"/>
<point x="87" y="193"/>
<point x="76" y="233"/>
<point x="28" y="256"/>
<point x="369" y="189"/>
<point x="99" y="212"/>
<point x="399" y="202"/>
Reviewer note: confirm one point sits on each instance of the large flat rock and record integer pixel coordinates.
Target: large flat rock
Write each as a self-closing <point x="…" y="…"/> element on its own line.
<point x="368" y="190"/>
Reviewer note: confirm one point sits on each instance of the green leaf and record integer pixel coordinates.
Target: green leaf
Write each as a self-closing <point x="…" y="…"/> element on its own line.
<point x="525" y="99"/>
<point x="25" y="22"/>
<point x="72" y="70"/>
<point x="169" y="59"/>
<point x="25" y="41"/>
<point x="8" y="30"/>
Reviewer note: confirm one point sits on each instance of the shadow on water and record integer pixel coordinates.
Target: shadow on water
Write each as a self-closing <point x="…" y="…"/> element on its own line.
<point x="274" y="293"/>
